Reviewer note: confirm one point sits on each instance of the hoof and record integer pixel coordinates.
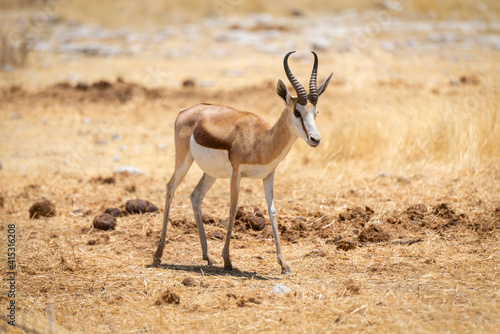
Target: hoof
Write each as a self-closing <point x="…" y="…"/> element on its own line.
<point x="285" y="270"/>
<point x="210" y="260"/>
<point x="228" y="266"/>
<point x="156" y="260"/>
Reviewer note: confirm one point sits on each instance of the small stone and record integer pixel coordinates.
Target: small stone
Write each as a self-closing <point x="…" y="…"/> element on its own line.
<point x="258" y="213"/>
<point x="235" y="73"/>
<point x="7" y="68"/>
<point x="297" y="12"/>
<point x="281" y="289"/>
<point x="218" y="236"/>
<point x="129" y="169"/>
<point x="117" y="137"/>
<point x="104" y="222"/>
<point x="42" y="209"/>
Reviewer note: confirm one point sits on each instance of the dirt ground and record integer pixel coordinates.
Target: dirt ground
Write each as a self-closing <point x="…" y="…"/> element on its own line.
<point x="390" y="225"/>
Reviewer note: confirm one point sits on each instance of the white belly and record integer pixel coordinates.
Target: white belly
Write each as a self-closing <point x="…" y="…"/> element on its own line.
<point x="213" y="162"/>
<point x="216" y="163"/>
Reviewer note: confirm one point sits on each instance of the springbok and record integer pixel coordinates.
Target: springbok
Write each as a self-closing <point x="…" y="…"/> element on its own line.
<point x="227" y="143"/>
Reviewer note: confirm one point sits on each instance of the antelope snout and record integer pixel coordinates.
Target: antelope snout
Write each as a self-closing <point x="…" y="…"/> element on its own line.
<point x="314" y="140"/>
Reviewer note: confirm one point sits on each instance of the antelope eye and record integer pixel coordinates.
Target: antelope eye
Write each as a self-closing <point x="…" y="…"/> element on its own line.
<point x="297" y="113"/>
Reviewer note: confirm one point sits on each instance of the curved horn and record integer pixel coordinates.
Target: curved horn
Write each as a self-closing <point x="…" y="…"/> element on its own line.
<point x="301" y="92"/>
<point x="313" y="85"/>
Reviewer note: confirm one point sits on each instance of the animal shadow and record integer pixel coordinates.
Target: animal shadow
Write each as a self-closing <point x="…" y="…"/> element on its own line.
<point x="214" y="271"/>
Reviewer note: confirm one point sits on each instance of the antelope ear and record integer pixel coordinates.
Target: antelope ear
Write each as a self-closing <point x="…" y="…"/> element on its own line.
<point x="283" y="92"/>
<point x="323" y="86"/>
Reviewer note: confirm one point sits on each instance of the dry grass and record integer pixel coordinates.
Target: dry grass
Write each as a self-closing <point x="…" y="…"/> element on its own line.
<point x="102" y="281"/>
<point x="96" y="281"/>
<point x="129" y="12"/>
<point x="405" y="120"/>
<point x="399" y="130"/>
<point x="192" y="10"/>
<point x="13" y="53"/>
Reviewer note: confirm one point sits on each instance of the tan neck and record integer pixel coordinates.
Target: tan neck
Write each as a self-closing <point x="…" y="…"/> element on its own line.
<point x="281" y="137"/>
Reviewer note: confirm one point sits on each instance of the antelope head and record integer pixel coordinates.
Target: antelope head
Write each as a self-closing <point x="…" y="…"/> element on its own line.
<point x="303" y="109"/>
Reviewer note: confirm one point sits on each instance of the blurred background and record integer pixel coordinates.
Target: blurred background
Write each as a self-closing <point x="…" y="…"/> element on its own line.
<point x="415" y="82"/>
<point x="68" y="31"/>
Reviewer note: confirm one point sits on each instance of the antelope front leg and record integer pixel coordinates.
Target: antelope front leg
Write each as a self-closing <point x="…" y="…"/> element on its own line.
<point x="179" y="174"/>
<point x="268" y="189"/>
<point x="161" y="244"/>
<point x="233" y="207"/>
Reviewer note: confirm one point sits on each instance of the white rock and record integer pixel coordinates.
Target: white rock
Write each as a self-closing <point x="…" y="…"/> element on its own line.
<point x="319" y="43"/>
<point x="268" y="48"/>
<point x="207" y="83"/>
<point x="117" y="137"/>
<point x="131" y="169"/>
<point x="7" y="68"/>
<point x="281" y="289"/>
<point x="235" y="72"/>
<point x="90" y="48"/>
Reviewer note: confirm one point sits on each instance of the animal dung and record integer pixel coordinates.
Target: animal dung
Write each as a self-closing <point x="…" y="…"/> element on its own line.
<point x="189" y="83"/>
<point x="115" y="212"/>
<point x="351" y="287"/>
<point x="373" y="234"/>
<point x="42" y="209"/>
<point x="189" y="282"/>
<point x="346" y="245"/>
<point x="254" y="221"/>
<point x="168" y="297"/>
<point x="139" y="206"/>
<point x="104" y="222"/>
<point x="217" y="236"/>
<point x="104" y="180"/>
